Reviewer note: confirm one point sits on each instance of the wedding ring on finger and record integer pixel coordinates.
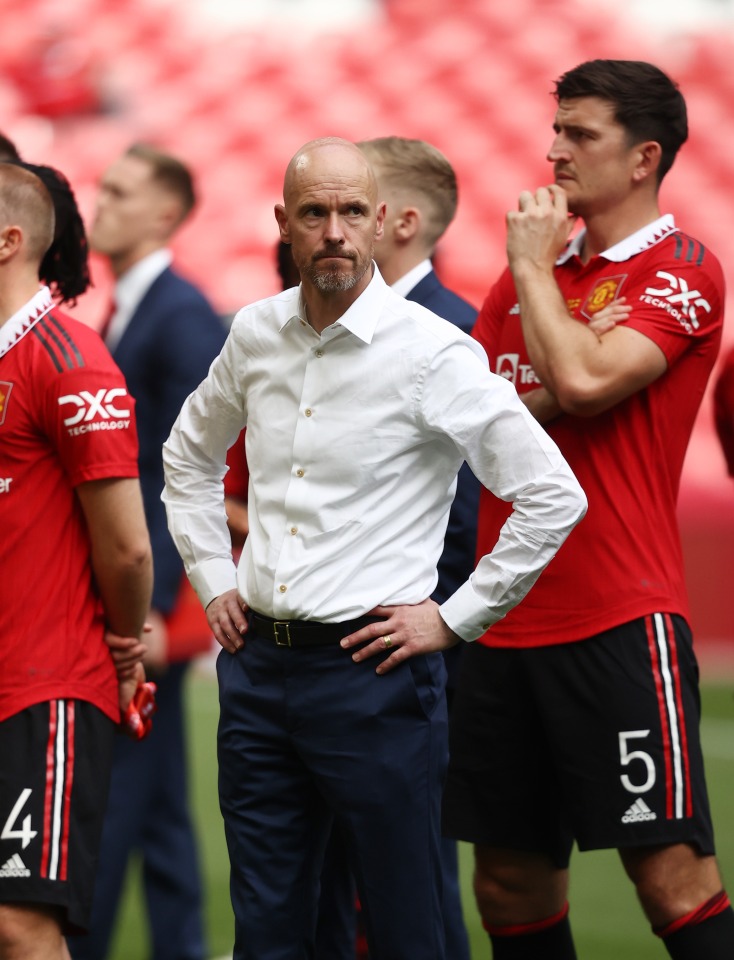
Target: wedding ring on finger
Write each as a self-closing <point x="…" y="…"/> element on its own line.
<point x="387" y="640"/>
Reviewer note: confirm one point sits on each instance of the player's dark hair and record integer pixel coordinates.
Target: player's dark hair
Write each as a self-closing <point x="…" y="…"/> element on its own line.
<point x="8" y="150"/>
<point x="647" y="103"/>
<point x="168" y="171"/>
<point x="65" y="266"/>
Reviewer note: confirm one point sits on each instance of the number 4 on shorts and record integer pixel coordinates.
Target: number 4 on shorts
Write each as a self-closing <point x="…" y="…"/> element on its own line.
<point x="25" y="834"/>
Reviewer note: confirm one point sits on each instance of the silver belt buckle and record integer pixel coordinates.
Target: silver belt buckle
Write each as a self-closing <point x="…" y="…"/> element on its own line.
<point x="285" y="639"/>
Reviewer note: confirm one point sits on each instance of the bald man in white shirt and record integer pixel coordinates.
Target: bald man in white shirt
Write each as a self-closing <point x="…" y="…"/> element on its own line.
<point x="360" y="407"/>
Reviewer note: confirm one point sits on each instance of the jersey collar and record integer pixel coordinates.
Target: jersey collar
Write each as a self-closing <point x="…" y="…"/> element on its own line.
<point x="24" y="320"/>
<point x="647" y="237"/>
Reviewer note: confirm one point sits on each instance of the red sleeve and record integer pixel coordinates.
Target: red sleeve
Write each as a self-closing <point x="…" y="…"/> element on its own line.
<point x="724" y="409"/>
<point x="90" y="416"/>
<point x="676" y="295"/>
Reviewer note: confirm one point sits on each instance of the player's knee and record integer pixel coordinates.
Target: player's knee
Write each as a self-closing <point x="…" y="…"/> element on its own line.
<point x="517" y="888"/>
<point x="671" y="881"/>
<point x="24" y="931"/>
<point x="14" y="933"/>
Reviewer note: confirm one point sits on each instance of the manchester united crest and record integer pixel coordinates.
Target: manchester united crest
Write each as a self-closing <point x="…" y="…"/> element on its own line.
<point x="604" y="293"/>
<point x="5" y="389"/>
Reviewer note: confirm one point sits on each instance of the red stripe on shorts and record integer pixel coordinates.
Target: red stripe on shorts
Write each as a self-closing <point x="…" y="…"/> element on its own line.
<point x="659" y="692"/>
<point x="48" y="798"/>
<point x="679" y="710"/>
<point x="68" y="781"/>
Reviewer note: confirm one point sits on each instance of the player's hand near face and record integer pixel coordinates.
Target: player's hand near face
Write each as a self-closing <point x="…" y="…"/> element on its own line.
<point x="538" y="231"/>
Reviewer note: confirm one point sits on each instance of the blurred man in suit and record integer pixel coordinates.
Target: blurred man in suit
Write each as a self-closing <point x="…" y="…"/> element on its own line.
<point x="163" y="334"/>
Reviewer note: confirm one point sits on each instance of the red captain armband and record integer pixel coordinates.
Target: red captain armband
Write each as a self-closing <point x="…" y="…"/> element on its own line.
<point x="137" y="721"/>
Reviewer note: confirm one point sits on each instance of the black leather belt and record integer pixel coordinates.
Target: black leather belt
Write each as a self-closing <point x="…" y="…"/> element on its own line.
<point x="305" y="633"/>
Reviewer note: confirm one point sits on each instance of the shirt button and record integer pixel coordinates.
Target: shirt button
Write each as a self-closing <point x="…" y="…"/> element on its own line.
<point x="486" y="626"/>
<point x="282" y="588"/>
<point x="308" y="411"/>
<point x="294" y="531"/>
<point x="299" y="473"/>
<point x="319" y="353"/>
<point x="303" y="323"/>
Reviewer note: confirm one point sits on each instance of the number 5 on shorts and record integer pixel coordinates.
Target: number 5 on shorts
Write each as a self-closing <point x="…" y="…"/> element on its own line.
<point x="627" y="756"/>
<point x="25" y="834"/>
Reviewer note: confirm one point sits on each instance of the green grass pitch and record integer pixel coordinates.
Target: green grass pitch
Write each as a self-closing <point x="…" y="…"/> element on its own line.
<point x="607" y="922"/>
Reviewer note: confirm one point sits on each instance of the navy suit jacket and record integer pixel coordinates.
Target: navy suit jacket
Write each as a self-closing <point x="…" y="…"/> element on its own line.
<point x="459" y="553"/>
<point x="164" y="354"/>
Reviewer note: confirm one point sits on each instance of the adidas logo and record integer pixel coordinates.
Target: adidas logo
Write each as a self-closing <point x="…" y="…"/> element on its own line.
<point x="638" y="812"/>
<point x="14" y="867"/>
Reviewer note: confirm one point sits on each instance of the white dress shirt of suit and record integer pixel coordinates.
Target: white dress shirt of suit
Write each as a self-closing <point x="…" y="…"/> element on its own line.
<point x="130" y="289"/>
<point x="354" y="440"/>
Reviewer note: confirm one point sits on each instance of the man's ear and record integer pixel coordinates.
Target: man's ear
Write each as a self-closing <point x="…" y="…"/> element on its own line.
<point x="380" y="220"/>
<point x="11" y="239"/>
<point x="170" y="216"/>
<point x="648" y="156"/>
<point x="282" y="218"/>
<point x="407" y="224"/>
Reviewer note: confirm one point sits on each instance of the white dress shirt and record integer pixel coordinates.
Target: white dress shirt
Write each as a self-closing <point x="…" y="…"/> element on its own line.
<point x="354" y="440"/>
<point x="130" y="290"/>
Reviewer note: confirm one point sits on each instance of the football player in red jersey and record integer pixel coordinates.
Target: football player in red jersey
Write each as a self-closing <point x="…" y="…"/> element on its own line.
<point x="577" y="716"/>
<point x="76" y="568"/>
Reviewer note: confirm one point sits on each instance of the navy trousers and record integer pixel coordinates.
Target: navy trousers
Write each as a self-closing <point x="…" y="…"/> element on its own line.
<point x="336" y="931"/>
<point x="148" y="814"/>
<point x="307" y="737"/>
<point x="336" y="924"/>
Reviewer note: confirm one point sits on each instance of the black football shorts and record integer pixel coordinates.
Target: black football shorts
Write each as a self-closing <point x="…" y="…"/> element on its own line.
<point x="54" y="779"/>
<point x="595" y="741"/>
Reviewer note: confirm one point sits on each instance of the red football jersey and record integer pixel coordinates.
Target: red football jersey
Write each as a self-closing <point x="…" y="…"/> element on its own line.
<point x="624" y="559"/>
<point x="65" y="418"/>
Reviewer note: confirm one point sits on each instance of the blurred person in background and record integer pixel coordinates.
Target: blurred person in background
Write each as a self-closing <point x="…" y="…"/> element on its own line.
<point x="77" y="569"/>
<point x="577" y="716"/>
<point x="163" y="333"/>
<point x="724" y="409"/>
<point x="360" y="407"/>
<point x="8" y="149"/>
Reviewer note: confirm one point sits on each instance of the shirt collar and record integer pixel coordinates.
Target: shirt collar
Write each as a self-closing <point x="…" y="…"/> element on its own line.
<point x="23" y="320"/>
<point x="362" y="316"/>
<point x="135" y="282"/>
<point x="412" y="278"/>
<point x="648" y="236"/>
